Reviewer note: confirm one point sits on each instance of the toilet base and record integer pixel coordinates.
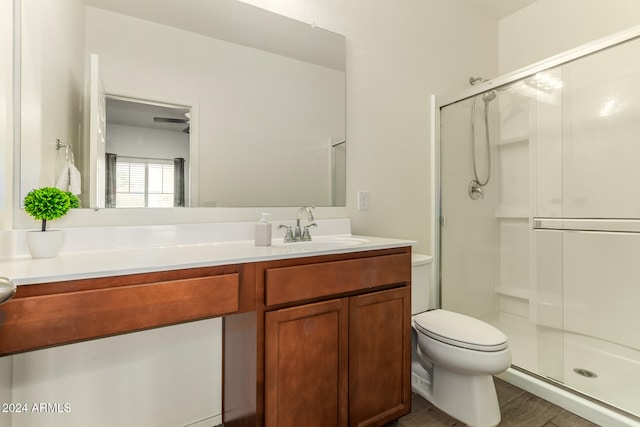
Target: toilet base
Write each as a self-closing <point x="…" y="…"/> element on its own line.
<point x="421" y="384"/>
<point x="471" y="399"/>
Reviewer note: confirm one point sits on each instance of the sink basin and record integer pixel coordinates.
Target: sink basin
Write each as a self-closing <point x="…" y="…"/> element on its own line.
<point x="320" y="244"/>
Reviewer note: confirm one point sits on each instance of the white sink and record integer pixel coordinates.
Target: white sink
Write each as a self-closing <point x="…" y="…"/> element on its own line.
<point x="319" y="244"/>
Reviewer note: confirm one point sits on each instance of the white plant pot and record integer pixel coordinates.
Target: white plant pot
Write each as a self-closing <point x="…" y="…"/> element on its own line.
<point x="45" y="244"/>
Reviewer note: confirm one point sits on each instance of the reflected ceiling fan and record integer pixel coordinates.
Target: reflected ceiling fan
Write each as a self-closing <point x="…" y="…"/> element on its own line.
<point x="186" y="121"/>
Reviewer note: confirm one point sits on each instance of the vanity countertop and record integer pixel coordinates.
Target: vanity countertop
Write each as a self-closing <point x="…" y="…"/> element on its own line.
<point x="73" y="265"/>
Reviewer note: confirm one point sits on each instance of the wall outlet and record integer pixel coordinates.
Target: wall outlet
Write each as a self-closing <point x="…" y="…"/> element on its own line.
<point x="363" y="200"/>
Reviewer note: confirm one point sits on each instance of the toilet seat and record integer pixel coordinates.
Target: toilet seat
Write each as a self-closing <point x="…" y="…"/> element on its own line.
<point x="459" y="330"/>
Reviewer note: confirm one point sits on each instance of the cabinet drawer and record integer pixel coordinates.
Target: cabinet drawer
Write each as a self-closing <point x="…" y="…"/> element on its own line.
<point x="297" y="283"/>
<point x="45" y="320"/>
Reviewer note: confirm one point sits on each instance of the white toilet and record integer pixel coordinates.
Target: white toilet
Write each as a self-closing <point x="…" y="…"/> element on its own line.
<point x="454" y="356"/>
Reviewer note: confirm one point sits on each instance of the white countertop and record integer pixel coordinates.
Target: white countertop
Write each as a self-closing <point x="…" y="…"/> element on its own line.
<point x="84" y="262"/>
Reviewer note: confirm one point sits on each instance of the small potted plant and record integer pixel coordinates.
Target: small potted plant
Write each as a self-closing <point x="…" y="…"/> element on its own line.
<point x="47" y="204"/>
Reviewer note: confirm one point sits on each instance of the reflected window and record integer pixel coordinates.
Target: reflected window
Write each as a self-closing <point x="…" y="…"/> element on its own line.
<point x="142" y="183"/>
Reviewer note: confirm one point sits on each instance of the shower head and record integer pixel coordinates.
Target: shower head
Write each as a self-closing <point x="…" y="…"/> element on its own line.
<point x="487" y="97"/>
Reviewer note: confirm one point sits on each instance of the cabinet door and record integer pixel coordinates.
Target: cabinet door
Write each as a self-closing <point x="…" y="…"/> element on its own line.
<point x="379" y="357"/>
<point x="306" y="364"/>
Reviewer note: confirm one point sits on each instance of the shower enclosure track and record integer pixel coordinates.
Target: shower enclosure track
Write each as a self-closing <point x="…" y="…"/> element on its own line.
<point x="554" y="61"/>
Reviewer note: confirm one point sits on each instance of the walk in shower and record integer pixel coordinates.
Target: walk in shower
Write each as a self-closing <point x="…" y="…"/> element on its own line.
<point x="542" y="240"/>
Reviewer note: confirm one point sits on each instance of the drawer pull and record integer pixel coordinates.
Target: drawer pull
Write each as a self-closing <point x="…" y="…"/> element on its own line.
<point x="7" y="289"/>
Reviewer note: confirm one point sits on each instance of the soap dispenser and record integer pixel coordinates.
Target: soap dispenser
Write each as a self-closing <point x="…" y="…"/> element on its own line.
<point x="263" y="231"/>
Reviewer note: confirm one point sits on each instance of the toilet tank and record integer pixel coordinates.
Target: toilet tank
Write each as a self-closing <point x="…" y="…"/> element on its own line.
<point x="421" y="283"/>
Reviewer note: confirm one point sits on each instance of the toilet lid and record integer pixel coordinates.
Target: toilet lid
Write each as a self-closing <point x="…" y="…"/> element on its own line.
<point x="460" y="330"/>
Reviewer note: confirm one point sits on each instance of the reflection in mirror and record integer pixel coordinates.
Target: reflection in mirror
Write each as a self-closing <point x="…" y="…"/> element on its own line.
<point x="147" y="154"/>
<point x="339" y="173"/>
<point x="266" y="96"/>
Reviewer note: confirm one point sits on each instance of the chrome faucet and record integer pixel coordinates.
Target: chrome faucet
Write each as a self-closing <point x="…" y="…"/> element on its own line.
<point x="298" y="233"/>
<point x="288" y="237"/>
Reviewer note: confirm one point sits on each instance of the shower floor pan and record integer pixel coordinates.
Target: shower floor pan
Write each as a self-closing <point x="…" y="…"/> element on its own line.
<point x="603" y="370"/>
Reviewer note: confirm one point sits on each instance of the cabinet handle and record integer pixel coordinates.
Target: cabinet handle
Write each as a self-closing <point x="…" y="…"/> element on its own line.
<point x="7" y="289"/>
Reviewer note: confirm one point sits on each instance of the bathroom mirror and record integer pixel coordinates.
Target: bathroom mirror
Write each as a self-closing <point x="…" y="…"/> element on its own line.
<point x="264" y="95"/>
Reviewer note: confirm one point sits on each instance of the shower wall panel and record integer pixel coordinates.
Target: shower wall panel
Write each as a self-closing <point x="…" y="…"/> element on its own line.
<point x="548" y="149"/>
<point x="601" y="291"/>
<point x="588" y="143"/>
<point x="513" y="274"/>
<point x="548" y="307"/>
<point x="513" y="184"/>
<point x="512" y="140"/>
<point x="472" y="274"/>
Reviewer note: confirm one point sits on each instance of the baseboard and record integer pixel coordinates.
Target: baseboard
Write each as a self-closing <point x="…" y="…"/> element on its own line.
<point x="214" y="421"/>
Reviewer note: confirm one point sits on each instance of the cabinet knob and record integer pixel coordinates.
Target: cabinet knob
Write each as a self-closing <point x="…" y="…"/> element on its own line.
<point x="7" y="289"/>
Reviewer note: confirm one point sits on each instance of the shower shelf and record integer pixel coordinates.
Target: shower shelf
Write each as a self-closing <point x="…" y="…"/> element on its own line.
<point x="511" y="214"/>
<point x="513" y="292"/>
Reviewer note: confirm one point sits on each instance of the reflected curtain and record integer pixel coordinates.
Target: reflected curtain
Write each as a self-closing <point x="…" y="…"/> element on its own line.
<point x="178" y="182"/>
<point x="110" y="180"/>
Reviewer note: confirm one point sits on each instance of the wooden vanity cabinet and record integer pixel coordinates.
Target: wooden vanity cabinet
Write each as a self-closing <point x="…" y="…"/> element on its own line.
<point x="311" y="341"/>
<point x="379" y="357"/>
<point x="340" y="362"/>
<point x="336" y="340"/>
<point x="307" y="365"/>
<point x="57" y="313"/>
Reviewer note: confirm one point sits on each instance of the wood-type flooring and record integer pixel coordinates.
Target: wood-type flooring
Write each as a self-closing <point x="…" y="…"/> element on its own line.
<point x="518" y="408"/>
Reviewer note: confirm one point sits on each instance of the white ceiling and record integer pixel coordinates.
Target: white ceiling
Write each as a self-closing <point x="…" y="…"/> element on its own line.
<point x="141" y="114"/>
<point x="502" y="8"/>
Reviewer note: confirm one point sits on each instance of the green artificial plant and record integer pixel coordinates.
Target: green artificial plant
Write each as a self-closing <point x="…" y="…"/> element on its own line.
<point x="74" y="201"/>
<point x="49" y="203"/>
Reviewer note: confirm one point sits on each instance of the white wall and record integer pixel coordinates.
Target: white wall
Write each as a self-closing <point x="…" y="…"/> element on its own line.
<point x="398" y="53"/>
<point x="52" y="81"/>
<point x="6" y="382"/>
<point x="6" y="165"/>
<point x="397" y="56"/>
<point x="6" y="114"/>
<point x="133" y="141"/>
<point x="163" y="377"/>
<point x="549" y="27"/>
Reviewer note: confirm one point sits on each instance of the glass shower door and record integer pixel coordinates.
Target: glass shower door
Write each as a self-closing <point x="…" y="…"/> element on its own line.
<point x="588" y="214"/>
<point x="467" y="239"/>
<point x="549" y="252"/>
<point x="487" y="268"/>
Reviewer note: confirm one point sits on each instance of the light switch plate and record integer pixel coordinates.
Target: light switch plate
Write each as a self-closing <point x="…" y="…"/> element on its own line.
<point x="363" y="200"/>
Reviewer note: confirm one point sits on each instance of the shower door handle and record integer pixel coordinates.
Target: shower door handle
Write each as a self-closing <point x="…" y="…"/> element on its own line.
<point x="587" y="225"/>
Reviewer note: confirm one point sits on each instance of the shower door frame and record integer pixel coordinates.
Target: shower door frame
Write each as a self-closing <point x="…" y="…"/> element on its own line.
<point x="488" y="85"/>
<point x="553" y="61"/>
<point x="555" y="392"/>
